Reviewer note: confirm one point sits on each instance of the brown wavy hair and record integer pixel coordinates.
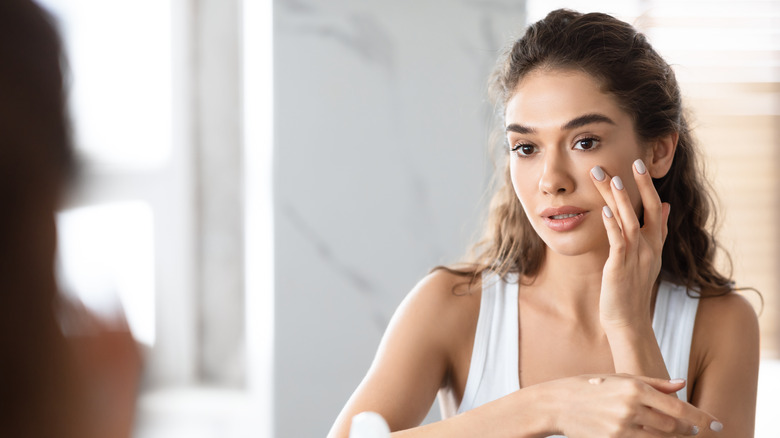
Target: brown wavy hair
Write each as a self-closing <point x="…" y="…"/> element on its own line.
<point x="644" y="86"/>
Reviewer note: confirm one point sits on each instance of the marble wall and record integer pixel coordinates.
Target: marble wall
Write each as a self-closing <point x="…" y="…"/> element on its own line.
<point x="381" y="131"/>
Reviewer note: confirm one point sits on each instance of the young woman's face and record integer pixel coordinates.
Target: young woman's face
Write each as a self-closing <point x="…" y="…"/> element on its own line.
<point x="559" y="125"/>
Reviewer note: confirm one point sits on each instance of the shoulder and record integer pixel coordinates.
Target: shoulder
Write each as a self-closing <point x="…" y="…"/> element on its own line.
<point x="725" y="313"/>
<point x="445" y="285"/>
<point x="726" y="325"/>
<point x="415" y="358"/>
<point x="724" y="361"/>
<point x="443" y="304"/>
<point x="445" y="292"/>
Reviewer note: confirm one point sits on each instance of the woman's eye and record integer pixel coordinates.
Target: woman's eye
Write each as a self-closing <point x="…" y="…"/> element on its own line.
<point x="524" y="150"/>
<point x="586" y="144"/>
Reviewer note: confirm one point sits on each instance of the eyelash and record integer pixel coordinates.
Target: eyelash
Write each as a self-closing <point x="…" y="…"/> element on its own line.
<point x="595" y="140"/>
<point x="516" y="148"/>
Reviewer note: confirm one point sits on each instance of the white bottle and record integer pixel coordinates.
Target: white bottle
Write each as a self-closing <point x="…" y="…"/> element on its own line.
<point x="369" y="425"/>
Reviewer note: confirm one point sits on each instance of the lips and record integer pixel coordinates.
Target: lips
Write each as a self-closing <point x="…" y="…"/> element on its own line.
<point x="564" y="218"/>
<point x="560" y="211"/>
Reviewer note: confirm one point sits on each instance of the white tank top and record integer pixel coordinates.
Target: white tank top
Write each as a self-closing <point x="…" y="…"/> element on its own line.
<point x="494" y="373"/>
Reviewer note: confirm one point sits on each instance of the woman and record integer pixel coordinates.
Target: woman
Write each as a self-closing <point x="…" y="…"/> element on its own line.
<point x="594" y="296"/>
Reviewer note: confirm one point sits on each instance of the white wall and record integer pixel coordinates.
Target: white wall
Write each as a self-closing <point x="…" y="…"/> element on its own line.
<point x="381" y="131"/>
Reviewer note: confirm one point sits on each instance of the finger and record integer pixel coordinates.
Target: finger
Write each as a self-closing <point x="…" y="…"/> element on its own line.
<point x="665" y="220"/>
<point x="655" y="397"/>
<point x="664" y="425"/>
<point x="649" y="433"/>
<point x="629" y="222"/>
<point x="664" y="385"/>
<point x="651" y="202"/>
<point x="617" y="244"/>
<point x="683" y="412"/>
<point x="687" y="414"/>
<point x="601" y="180"/>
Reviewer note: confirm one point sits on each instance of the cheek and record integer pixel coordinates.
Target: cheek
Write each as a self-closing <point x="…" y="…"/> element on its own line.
<point x="523" y="181"/>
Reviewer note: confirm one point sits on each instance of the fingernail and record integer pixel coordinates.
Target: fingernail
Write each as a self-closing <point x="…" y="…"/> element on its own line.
<point x="676" y="381"/>
<point x="716" y="426"/>
<point x="607" y="211"/>
<point x="695" y="430"/>
<point x="617" y="182"/>
<point x="598" y="173"/>
<point x="640" y="166"/>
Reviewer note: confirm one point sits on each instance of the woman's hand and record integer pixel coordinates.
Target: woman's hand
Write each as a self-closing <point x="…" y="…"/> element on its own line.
<point x="626" y="406"/>
<point x="634" y="260"/>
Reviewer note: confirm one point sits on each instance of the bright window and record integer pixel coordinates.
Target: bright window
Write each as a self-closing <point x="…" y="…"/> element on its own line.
<point x="107" y="259"/>
<point x="120" y="55"/>
<point x="126" y="230"/>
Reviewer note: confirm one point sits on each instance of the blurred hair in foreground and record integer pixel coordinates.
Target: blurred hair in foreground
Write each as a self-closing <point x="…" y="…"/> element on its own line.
<point x="82" y="384"/>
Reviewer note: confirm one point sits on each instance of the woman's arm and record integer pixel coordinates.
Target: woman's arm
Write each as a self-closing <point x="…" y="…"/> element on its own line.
<point x="725" y="350"/>
<point x="724" y="363"/>
<point x="631" y="272"/>
<point x="413" y="362"/>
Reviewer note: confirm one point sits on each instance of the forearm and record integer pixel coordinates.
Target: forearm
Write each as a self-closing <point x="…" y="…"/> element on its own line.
<point x="635" y="351"/>
<point x="527" y="413"/>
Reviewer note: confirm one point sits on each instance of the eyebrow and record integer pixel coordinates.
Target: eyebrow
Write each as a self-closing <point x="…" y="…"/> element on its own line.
<point x="577" y="122"/>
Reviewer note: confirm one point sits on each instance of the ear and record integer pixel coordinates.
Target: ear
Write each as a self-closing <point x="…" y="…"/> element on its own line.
<point x="662" y="154"/>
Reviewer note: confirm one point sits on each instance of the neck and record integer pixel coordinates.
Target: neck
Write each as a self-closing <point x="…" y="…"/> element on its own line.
<point x="572" y="284"/>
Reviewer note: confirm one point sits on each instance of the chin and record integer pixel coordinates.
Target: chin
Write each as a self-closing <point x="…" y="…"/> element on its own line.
<point x="576" y="243"/>
<point x="567" y="249"/>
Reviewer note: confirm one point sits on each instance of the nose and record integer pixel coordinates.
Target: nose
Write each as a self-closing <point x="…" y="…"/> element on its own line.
<point x="556" y="176"/>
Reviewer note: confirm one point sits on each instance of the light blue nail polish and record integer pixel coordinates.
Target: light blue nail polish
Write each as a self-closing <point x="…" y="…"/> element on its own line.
<point x="695" y="430"/>
<point x="617" y="182"/>
<point x="607" y="211"/>
<point x="598" y="173"/>
<point x="639" y="165"/>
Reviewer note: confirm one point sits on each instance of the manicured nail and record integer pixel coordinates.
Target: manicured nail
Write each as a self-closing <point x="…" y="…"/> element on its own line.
<point x="676" y="381"/>
<point x="695" y="430"/>
<point x="716" y="426"/>
<point x="640" y="166"/>
<point x="607" y="211"/>
<point x="598" y="173"/>
<point x="617" y="182"/>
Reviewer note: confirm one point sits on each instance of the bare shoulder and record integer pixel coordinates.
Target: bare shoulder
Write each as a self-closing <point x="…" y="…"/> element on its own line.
<point x="438" y="313"/>
<point x="726" y="325"/>
<point x="727" y="313"/>
<point x="723" y="370"/>
<point x="447" y="285"/>
<point x="415" y="357"/>
<point x="449" y="302"/>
